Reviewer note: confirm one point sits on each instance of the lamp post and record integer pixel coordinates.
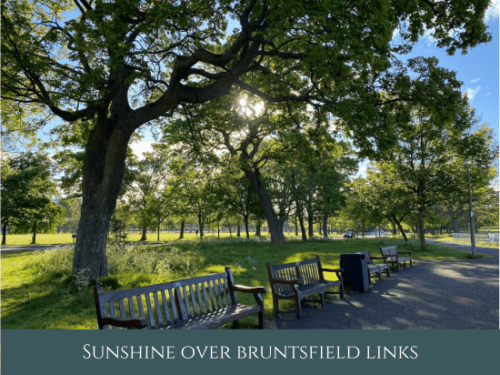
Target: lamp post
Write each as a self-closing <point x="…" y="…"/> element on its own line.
<point x="468" y="162"/>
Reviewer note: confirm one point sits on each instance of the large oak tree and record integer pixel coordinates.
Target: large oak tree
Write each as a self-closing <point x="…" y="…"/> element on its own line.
<point x="109" y="67"/>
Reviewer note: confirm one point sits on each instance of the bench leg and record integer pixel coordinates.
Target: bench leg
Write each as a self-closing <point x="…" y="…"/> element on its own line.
<point x="236" y="324"/>
<point x="322" y="296"/>
<point x="261" y="318"/>
<point x="298" y="302"/>
<point x="276" y="306"/>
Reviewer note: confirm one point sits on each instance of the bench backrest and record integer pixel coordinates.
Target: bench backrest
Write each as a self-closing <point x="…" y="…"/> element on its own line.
<point x="368" y="257"/>
<point x="389" y="251"/>
<point x="168" y="303"/>
<point x="306" y="271"/>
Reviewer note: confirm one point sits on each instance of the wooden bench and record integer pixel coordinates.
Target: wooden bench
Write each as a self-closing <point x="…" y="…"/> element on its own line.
<point x="300" y="280"/>
<point x="376" y="268"/>
<point x="204" y="302"/>
<point x="393" y="256"/>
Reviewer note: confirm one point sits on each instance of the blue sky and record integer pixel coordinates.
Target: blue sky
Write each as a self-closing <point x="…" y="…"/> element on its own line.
<point x="477" y="70"/>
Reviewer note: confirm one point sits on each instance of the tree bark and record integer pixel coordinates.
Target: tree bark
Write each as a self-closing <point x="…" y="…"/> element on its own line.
<point x="421" y="231"/>
<point x="273" y="223"/>
<point x="103" y="170"/>
<point x="302" y="226"/>
<point x="325" y="226"/>
<point x="245" y="218"/>
<point x="181" y="234"/>
<point x="257" y="230"/>
<point x="33" y="238"/>
<point x="4" y="234"/>
<point x="400" y="227"/>
<point x="143" y="234"/>
<point x="310" y="225"/>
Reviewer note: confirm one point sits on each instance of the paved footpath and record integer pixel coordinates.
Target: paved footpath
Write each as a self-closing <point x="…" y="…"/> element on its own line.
<point x="459" y="294"/>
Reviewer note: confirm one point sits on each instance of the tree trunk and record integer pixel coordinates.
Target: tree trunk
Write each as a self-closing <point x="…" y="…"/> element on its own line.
<point x="33" y="238"/>
<point x="238" y="231"/>
<point x="421" y="231"/>
<point x="325" y="226"/>
<point x="245" y="218"/>
<point x="181" y="234"/>
<point x="257" y="230"/>
<point x="144" y="234"/>
<point x="273" y="223"/>
<point x="310" y="224"/>
<point x="302" y="227"/>
<point x="103" y="170"/>
<point x="4" y="233"/>
<point x="201" y="224"/>
<point x="398" y="223"/>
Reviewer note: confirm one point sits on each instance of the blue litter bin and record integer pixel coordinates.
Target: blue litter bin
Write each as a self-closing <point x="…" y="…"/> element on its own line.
<point x="355" y="276"/>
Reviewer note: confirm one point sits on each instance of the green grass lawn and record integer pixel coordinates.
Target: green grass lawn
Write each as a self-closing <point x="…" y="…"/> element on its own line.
<point x="66" y="238"/>
<point x="39" y="293"/>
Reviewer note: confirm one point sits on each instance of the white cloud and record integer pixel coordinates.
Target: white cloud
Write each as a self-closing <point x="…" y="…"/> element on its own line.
<point x="472" y="92"/>
<point x="492" y="11"/>
<point x="475" y="80"/>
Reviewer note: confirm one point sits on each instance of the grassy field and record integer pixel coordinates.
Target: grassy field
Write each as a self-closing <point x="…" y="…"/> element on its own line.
<point x="66" y="238"/>
<point x="39" y="293"/>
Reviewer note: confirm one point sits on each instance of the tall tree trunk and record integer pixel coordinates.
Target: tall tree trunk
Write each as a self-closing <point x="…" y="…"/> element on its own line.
<point x="310" y="224"/>
<point x="103" y="170"/>
<point x="302" y="226"/>
<point x="201" y="224"/>
<point x="33" y="238"/>
<point x="257" y="230"/>
<point x="400" y="227"/>
<point x="229" y="228"/>
<point x="421" y="231"/>
<point x="325" y="226"/>
<point x="245" y="218"/>
<point x="273" y="223"/>
<point x="144" y="234"/>
<point x="181" y="234"/>
<point x="4" y="233"/>
<point x="238" y="231"/>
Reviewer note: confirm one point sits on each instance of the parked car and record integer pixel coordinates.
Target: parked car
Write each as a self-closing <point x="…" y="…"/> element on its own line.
<point x="349" y="234"/>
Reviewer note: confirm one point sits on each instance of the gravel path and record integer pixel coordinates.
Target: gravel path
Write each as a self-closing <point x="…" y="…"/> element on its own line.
<point x="462" y="294"/>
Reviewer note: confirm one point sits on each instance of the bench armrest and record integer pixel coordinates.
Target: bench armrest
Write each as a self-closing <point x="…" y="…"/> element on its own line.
<point x="133" y="323"/>
<point x="249" y="289"/>
<point x="384" y="257"/>
<point x="338" y="271"/>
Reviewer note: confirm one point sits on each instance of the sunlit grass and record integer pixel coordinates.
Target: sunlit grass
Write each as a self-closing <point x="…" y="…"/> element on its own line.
<point x="66" y="238"/>
<point x="39" y="293"/>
